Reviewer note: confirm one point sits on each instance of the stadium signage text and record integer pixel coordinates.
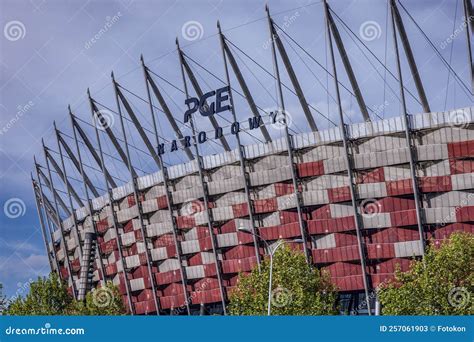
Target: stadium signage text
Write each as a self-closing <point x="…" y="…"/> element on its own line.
<point x="222" y="95"/>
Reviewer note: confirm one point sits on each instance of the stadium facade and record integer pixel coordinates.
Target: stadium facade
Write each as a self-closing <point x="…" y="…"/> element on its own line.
<point x="363" y="197"/>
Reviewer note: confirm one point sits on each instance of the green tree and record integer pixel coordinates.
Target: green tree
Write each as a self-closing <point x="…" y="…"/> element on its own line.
<point x="297" y="288"/>
<point x="105" y="300"/>
<point x="442" y="284"/>
<point x="49" y="296"/>
<point x="3" y="302"/>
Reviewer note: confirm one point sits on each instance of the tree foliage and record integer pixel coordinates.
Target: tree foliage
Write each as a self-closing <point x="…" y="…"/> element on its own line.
<point x="297" y="288"/>
<point x="102" y="301"/>
<point x="2" y="299"/>
<point x="49" y="296"/>
<point x="442" y="284"/>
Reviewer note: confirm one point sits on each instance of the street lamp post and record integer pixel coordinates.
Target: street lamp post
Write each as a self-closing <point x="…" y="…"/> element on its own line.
<point x="271" y="252"/>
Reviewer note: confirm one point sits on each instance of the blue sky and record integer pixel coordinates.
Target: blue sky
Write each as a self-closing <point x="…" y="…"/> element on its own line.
<point x="53" y="57"/>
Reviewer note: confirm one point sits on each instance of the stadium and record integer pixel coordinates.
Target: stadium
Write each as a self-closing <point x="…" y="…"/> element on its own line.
<point x="358" y="199"/>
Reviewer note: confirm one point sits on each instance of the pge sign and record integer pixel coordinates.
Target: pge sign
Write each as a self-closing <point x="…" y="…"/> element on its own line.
<point x="206" y="109"/>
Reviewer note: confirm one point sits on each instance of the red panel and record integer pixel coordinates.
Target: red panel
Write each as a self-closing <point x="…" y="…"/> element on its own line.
<point x="461" y="149"/>
<point x="206" y="283"/>
<point x="349" y="253"/>
<point x="240" y="210"/>
<point x="164" y="241"/>
<point x="391" y="265"/>
<point x="465" y="214"/>
<point x="233" y="281"/>
<point x="241" y="251"/>
<point x="310" y="169"/>
<point x="340" y="224"/>
<point x="205" y="244"/>
<point x="132" y="250"/>
<point x="238" y="265"/>
<point x="394" y="235"/>
<point x="390" y="204"/>
<point x="290" y="216"/>
<point x="102" y="226"/>
<point x="171" y="251"/>
<point x="345" y="239"/>
<point x="116" y="255"/>
<point x="244" y="238"/>
<point x="399" y="187"/>
<point x="350" y="283"/>
<point x="381" y="251"/>
<point x="461" y="166"/>
<point x="228" y="227"/>
<point x="131" y="199"/>
<point x="436" y="184"/>
<point x="168" y="277"/>
<point x="341" y="194"/>
<point x="173" y="290"/>
<point x="342" y="269"/>
<point x="282" y="189"/>
<point x="109" y="246"/>
<point x="162" y="202"/>
<point x="269" y="233"/>
<point x="128" y="227"/>
<point x="185" y="221"/>
<point x="265" y="205"/>
<point x="289" y="230"/>
<point x="142" y="272"/>
<point x="172" y="302"/>
<point x="403" y="218"/>
<point x="209" y="296"/>
<point x="210" y="270"/>
<point x="446" y="231"/>
<point x="145" y="295"/>
<point x="145" y="307"/>
<point x="121" y="286"/>
<point x="322" y="213"/>
<point x="378" y="279"/>
<point x="64" y="272"/>
<point x="76" y="265"/>
<point x="195" y="260"/>
<point x="111" y="269"/>
<point x="374" y="176"/>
